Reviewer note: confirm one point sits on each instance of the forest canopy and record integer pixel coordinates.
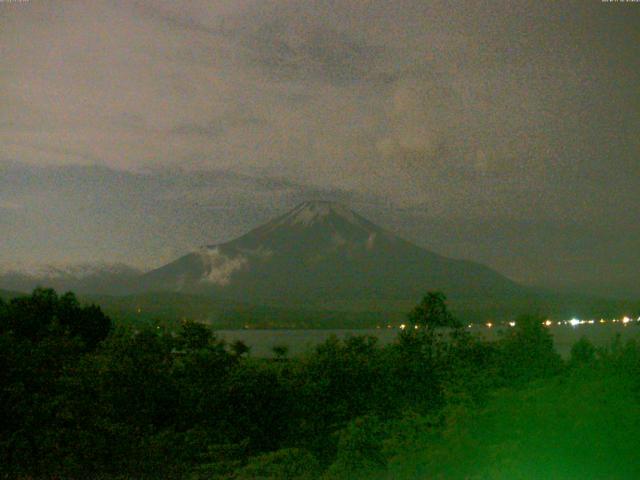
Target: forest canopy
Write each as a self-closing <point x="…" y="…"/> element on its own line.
<point x="83" y="398"/>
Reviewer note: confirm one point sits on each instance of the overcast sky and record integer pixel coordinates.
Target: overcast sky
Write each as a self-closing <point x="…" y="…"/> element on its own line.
<point x="504" y="132"/>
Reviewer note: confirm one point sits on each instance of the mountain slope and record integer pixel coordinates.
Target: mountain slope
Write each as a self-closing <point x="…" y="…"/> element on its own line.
<point x="324" y="254"/>
<point x="108" y="279"/>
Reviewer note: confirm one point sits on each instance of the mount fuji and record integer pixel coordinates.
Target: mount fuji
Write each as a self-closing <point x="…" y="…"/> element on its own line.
<point x="324" y="254"/>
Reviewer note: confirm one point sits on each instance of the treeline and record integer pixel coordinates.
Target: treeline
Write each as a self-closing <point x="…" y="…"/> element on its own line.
<point x="168" y="308"/>
<point x="82" y="399"/>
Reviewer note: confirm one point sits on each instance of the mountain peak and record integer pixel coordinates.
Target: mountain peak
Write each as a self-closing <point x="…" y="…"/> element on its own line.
<point x="321" y="251"/>
<point x="317" y="211"/>
<point x="317" y="203"/>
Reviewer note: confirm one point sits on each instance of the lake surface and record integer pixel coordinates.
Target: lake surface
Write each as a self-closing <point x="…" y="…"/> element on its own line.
<point x="300" y="341"/>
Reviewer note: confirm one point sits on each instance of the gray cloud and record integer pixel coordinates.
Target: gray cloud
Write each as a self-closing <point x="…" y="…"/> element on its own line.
<point x="312" y="54"/>
<point x="89" y="213"/>
<point x="475" y="112"/>
<point x="218" y="126"/>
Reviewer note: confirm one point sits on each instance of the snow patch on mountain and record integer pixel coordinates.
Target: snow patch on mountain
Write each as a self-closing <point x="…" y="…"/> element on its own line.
<point x="77" y="271"/>
<point x="220" y="267"/>
<point x="310" y="213"/>
<point x="370" y="241"/>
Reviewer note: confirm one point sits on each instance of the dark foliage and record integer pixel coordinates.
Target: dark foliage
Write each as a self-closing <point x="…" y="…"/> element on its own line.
<point x="43" y="338"/>
<point x="432" y="312"/>
<point x="528" y="352"/>
<point x="80" y="402"/>
<point x="44" y="314"/>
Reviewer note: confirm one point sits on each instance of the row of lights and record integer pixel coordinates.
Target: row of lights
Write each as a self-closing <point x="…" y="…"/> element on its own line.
<point x="574" y="322"/>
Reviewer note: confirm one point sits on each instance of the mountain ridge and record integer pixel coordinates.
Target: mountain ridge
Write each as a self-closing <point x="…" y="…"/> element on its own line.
<point x="317" y="265"/>
<point x="322" y="249"/>
<point x="97" y="277"/>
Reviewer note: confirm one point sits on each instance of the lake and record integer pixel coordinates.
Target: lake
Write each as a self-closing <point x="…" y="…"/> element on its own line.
<point x="300" y="341"/>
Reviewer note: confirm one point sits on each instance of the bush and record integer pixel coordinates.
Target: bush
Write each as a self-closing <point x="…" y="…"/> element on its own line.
<point x="284" y="464"/>
<point x="527" y="352"/>
<point x="583" y="353"/>
<point x="360" y="450"/>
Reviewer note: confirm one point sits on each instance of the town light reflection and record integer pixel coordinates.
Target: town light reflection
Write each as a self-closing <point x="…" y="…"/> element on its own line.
<point x="574" y="322"/>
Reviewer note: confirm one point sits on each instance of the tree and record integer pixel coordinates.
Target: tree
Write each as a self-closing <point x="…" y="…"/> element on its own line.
<point x="239" y="348"/>
<point x="432" y="312"/>
<point x="255" y="404"/>
<point x="194" y="336"/>
<point x="421" y="355"/>
<point x="43" y="341"/>
<point x="89" y="323"/>
<point x="528" y="352"/>
<point x="359" y="450"/>
<point x="280" y="351"/>
<point x="43" y="314"/>
<point x="583" y="353"/>
<point x="30" y="317"/>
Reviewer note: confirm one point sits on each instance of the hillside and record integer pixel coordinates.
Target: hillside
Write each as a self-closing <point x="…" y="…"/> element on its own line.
<point x="320" y="265"/>
<point x="324" y="255"/>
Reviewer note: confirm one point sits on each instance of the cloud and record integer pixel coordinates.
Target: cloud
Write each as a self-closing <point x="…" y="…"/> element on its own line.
<point x="221" y="267"/>
<point x="218" y="126"/>
<point x="359" y="95"/>
<point x="289" y="51"/>
<point x="91" y="213"/>
<point x="8" y="205"/>
<point x="519" y="110"/>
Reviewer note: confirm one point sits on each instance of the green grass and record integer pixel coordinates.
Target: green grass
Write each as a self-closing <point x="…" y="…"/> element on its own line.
<point x="582" y="426"/>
